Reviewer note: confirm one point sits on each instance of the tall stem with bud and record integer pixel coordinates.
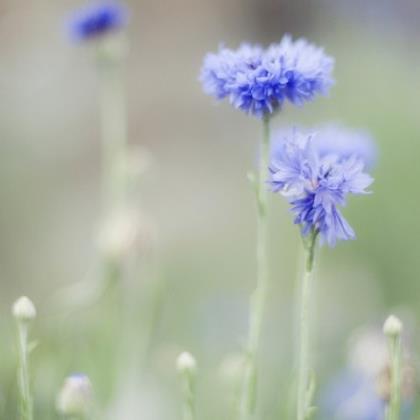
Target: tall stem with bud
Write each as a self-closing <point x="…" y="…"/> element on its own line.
<point x="392" y="329"/>
<point x="24" y="312"/>
<point x="187" y="367"/>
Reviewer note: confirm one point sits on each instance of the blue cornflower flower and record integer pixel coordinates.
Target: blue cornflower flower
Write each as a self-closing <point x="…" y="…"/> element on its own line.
<point x="97" y="19"/>
<point x="259" y="81"/>
<point x="316" y="184"/>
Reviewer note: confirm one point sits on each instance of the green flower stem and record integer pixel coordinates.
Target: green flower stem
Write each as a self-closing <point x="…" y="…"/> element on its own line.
<point x="303" y="390"/>
<point x="188" y="408"/>
<point x="113" y="121"/>
<point x="395" y="400"/>
<point x="249" y="387"/>
<point x="26" y="405"/>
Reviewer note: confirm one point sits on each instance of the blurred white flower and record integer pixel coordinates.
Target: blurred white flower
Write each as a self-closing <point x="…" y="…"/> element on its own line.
<point x="23" y="309"/>
<point x="76" y="396"/>
<point x="185" y="363"/>
<point x="231" y="368"/>
<point x="392" y="326"/>
<point x="124" y="234"/>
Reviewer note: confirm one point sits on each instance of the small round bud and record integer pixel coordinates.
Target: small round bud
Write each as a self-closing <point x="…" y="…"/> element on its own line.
<point x="185" y="363"/>
<point x="23" y="309"/>
<point x="392" y="326"/>
<point x="75" y="397"/>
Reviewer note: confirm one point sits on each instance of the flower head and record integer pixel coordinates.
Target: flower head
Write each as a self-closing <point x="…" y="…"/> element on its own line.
<point x="186" y="363"/>
<point x="392" y="326"/>
<point x="24" y="310"/>
<point x="316" y="184"/>
<point x="96" y="20"/>
<point x="75" y="397"/>
<point x="258" y="81"/>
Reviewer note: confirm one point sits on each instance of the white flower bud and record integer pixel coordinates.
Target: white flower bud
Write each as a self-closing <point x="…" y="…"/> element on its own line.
<point x="392" y="326"/>
<point x="23" y="309"/>
<point x="185" y="363"/>
<point x="76" y="396"/>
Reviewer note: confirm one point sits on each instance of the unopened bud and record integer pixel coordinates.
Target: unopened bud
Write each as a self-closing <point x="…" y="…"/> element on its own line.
<point x="76" y="396"/>
<point x="23" y="309"/>
<point x="185" y="363"/>
<point x="392" y="326"/>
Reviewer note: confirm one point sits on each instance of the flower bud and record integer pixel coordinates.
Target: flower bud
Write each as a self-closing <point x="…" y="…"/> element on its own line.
<point x="392" y="326"/>
<point x="75" y="397"/>
<point x="24" y="310"/>
<point x="185" y="363"/>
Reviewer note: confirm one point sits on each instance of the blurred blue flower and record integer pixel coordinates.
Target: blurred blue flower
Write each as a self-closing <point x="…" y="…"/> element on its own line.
<point x="336" y="139"/>
<point x="259" y="81"/>
<point x="316" y="184"/>
<point x="360" y="391"/>
<point x="352" y="396"/>
<point x="97" y="19"/>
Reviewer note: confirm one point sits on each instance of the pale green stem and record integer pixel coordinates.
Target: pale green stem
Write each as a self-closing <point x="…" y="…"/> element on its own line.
<point x="303" y="388"/>
<point x="188" y="406"/>
<point x="114" y="126"/>
<point x="26" y="408"/>
<point x="249" y="387"/>
<point x="395" y="398"/>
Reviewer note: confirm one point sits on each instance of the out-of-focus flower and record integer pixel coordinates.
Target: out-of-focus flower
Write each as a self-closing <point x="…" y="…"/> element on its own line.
<point x="76" y="396"/>
<point x="232" y="368"/>
<point x="362" y="390"/>
<point x="24" y="310"/>
<point x="259" y="81"/>
<point x="392" y="326"/>
<point x="124" y="234"/>
<point x="345" y="142"/>
<point x="316" y="184"/>
<point x="186" y="363"/>
<point x="97" y="19"/>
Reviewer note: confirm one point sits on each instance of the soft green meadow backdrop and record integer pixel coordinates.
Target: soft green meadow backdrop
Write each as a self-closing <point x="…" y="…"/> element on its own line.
<point x="197" y="194"/>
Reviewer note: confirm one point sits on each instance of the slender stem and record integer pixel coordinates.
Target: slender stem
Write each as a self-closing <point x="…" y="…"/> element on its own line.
<point x="26" y="409"/>
<point x="395" y="400"/>
<point x="114" y="125"/>
<point x="303" y="397"/>
<point x="258" y="299"/>
<point x="188" y="409"/>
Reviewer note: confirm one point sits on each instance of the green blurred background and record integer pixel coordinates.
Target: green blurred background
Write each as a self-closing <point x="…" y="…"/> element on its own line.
<point x="197" y="195"/>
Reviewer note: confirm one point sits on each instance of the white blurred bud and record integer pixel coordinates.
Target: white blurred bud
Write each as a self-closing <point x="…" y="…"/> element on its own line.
<point x="124" y="233"/>
<point x="185" y="363"/>
<point x="76" y="396"/>
<point x="232" y="368"/>
<point x="23" y="309"/>
<point x="392" y="326"/>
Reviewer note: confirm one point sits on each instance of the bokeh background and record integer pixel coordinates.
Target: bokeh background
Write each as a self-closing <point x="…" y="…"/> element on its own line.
<point x="197" y="195"/>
